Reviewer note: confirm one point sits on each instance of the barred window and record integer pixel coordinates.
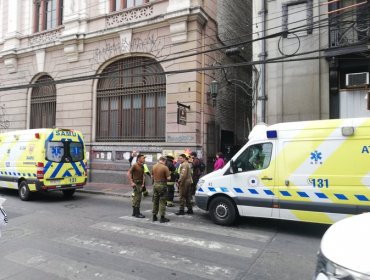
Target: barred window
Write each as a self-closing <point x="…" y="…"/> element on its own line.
<point x="48" y="14"/>
<point x="117" y="5"/>
<point x="131" y="101"/>
<point x="43" y="104"/>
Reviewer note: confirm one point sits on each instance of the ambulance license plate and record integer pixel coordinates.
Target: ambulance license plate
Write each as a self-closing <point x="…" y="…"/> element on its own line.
<point x="55" y="182"/>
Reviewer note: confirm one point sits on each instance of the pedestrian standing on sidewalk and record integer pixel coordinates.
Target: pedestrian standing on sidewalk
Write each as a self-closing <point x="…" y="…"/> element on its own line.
<point x="161" y="174"/>
<point x="172" y="181"/>
<point x="136" y="177"/>
<point x="184" y="185"/>
<point x="219" y="162"/>
<point x="197" y="172"/>
<point x="133" y="158"/>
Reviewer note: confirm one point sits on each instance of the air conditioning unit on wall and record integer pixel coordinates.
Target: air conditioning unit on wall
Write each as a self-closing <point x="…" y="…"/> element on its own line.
<point x="357" y="79"/>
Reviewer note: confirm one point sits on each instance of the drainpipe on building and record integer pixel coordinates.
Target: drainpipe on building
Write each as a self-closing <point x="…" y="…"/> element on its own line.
<point x="261" y="97"/>
<point x="202" y="94"/>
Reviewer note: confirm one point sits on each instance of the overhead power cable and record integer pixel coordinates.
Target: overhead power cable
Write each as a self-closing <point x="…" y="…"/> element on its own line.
<point x="75" y="79"/>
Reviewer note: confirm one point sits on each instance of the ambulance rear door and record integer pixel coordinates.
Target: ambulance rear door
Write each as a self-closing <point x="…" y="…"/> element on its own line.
<point x="65" y="160"/>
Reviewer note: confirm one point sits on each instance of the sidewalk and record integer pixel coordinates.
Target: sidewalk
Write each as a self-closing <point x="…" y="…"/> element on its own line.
<point x="108" y="189"/>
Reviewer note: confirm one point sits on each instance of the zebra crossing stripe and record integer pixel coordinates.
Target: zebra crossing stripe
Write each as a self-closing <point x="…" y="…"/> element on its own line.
<point x="179" y="240"/>
<point x="228" y="232"/>
<point x="60" y="266"/>
<point x="160" y="259"/>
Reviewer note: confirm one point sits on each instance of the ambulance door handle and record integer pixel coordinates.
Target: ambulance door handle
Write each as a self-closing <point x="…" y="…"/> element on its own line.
<point x="266" y="178"/>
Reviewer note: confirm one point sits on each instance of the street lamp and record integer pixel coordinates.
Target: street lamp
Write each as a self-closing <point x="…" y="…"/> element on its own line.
<point x="214" y="90"/>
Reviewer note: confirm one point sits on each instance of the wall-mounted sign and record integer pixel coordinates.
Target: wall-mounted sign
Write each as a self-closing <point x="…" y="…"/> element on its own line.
<point x="181" y="113"/>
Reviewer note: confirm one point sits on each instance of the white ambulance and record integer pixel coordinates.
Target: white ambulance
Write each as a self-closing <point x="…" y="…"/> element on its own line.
<point x="313" y="171"/>
<point x="42" y="160"/>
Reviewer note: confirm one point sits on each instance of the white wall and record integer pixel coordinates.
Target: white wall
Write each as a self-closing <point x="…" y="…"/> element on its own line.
<point x="353" y="104"/>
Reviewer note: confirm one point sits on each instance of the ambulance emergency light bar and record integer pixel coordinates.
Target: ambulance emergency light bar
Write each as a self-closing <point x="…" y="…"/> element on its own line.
<point x="346" y="131"/>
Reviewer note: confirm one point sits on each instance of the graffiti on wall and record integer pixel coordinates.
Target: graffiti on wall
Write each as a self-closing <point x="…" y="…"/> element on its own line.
<point x="150" y="43"/>
<point x="4" y="122"/>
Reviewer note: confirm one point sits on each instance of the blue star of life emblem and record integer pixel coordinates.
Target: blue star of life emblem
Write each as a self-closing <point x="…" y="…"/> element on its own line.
<point x="76" y="151"/>
<point x="56" y="151"/>
<point x="316" y="156"/>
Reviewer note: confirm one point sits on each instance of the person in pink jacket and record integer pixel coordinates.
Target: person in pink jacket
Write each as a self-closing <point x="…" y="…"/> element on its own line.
<point x="219" y="162"/>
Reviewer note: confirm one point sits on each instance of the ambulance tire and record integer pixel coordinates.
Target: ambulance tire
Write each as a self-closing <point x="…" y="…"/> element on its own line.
<point x="222" y="211"/>
<point x="68" y="193"/>
<point x="24" y="192"/>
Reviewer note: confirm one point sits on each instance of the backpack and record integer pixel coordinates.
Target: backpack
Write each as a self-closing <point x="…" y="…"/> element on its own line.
<point x="202" y="166"/>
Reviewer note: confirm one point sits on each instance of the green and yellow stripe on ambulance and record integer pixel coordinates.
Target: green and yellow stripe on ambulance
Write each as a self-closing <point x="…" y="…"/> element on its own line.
<point x="9" y="169"/>
<point x="301" y="196"/>
<point x="312" y="194"/>
<point x="296" y="197"/>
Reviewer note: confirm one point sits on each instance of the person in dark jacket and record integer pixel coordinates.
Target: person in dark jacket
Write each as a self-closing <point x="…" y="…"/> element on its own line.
<point x="172" y="181"/>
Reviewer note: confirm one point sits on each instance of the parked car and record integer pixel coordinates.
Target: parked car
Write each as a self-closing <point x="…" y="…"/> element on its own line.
<point x="345" y="250"/>
<point x="3" y="216"/>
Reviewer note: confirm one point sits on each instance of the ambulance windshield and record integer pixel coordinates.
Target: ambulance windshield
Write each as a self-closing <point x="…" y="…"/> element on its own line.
<point x="64" y="151"/>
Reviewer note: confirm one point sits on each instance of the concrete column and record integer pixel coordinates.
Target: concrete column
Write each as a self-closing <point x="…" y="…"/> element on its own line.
<point x="1" y="20"/>
<point x="13" y="30"/>
<point x="75" y="15"/>
<point x="75" y="23"/>
<point x="177" y="16"/>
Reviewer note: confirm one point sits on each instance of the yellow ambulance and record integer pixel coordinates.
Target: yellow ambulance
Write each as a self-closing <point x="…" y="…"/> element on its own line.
<point x="42" y="160"/>
<point x="313" y="171"/>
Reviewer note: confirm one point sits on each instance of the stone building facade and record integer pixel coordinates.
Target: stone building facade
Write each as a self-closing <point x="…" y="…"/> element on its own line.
<point x="316" y="45"/>
<point x="117" y="70"/>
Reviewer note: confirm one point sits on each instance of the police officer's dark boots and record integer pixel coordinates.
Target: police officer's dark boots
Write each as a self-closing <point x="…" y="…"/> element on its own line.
<point x="133" y="211"/>
<point x="164" y="220"/>
<point x="155" y="218"/>
<point x="138" y="214"/>
<point x="181" y="212"/>
<point x="190" y="212"/>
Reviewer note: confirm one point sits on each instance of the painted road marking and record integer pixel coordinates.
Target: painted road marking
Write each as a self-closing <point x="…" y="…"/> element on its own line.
<point x="179" y="240"/>
<point x="217" y="230"/>
<point x="65" y="267"/>
<point x="165" y="260"/>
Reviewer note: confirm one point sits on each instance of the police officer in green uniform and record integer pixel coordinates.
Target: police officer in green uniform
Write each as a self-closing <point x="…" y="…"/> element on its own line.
<point x="136" y="177"/>
<point x="184" y="184"/>
<point x="160" y="174"/>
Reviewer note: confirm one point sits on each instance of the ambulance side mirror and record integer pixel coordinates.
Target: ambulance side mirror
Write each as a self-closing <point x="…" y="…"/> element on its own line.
<point x="233" y="168"/>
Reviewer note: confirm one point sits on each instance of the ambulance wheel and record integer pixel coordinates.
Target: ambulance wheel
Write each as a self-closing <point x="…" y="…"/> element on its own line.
<point x="68" y="193"/>
<point x="222" y="211"/>
<point x="24" y="191"/>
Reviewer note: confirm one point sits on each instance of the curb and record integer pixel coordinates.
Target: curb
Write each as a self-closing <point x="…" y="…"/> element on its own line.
<point x="105" y="193"/>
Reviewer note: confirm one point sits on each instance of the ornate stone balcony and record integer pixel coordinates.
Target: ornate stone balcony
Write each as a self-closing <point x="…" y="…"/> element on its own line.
<point x="129" y="16"/>
<point x="45" y="37"/>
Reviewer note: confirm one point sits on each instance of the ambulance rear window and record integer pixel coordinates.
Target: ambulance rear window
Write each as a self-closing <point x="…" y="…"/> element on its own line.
<point x="64" y="151"/>
<point x="76" y="151"/>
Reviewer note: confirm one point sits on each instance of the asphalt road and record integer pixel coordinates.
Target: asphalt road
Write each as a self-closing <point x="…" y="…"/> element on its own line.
<point x="95" y="237"/>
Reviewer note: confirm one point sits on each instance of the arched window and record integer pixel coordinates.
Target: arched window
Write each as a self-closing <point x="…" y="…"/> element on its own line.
<point x="43" y="103"/>
<point x="131" y="101"/>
